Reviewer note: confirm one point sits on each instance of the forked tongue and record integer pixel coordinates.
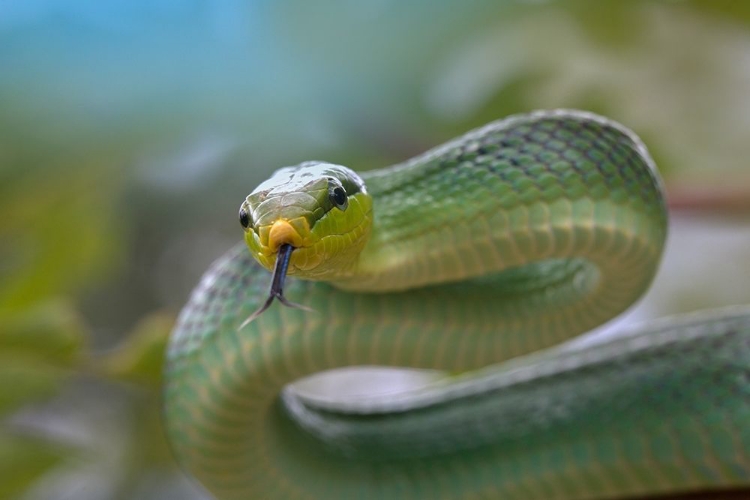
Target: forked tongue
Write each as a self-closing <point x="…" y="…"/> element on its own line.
<point x="277" y="285"/>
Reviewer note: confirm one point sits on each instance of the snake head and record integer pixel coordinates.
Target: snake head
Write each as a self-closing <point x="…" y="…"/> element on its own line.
<point x="321" y="210"/>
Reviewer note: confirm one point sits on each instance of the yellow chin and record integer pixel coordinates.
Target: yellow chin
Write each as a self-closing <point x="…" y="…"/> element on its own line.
<point x="265" y="244"/>
<point x="283" y="233"/>
<point x="295" y="232"/>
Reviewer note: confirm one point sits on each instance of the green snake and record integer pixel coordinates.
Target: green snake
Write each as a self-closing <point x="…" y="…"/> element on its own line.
<point x="477" y="258"/>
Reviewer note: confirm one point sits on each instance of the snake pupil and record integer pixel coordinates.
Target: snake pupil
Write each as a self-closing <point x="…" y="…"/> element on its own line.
<point x="244" y="218"/>
<point x="338" y="197"/>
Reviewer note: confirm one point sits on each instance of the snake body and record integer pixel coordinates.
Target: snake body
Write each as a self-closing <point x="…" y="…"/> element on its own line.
<point x="484" y="255"/>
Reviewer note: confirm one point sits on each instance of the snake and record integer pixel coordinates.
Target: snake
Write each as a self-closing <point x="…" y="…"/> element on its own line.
<point x="475" y="262"/>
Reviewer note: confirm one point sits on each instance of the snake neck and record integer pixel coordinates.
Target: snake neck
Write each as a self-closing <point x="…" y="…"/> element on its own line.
<point x="548" y="185"/>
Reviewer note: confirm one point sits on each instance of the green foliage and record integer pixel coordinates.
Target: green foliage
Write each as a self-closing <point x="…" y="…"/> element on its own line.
<point x="25" y="381"/>
<point x="51" y="332"/>
<point x="43" y="349"/>
<point x="39" y="346"/>
<point x="140" y="357"/>
<point x="58" y="233"/>
<point x="23" y="459"/>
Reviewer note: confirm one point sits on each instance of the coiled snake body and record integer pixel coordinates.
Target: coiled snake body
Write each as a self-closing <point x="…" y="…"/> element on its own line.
<point x="476" y="258"/>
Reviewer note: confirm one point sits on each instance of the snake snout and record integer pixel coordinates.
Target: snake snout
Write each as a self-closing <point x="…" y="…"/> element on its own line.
<point x="283" y="233"/>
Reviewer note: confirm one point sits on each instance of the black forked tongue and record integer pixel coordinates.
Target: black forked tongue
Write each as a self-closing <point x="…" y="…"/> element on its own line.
<point x="277" y="285"/>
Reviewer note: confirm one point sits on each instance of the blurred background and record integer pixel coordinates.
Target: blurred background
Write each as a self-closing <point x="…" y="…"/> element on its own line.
<point x="130" y="131"/>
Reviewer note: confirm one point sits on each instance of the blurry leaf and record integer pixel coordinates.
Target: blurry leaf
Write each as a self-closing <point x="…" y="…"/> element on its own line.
<point x="24" y="459"/>
<point x="731" y="9"/>
<point x="608" y="23"/>
<point x="51" y="331"/>
<point x="24" y="380"/>
<point x="57" y="230"/>
<point x="140" y="357"/>
<point x="36" y="347"/>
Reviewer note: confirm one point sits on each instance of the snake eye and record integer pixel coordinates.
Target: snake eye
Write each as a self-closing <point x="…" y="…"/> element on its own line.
<point x="244" y="218"/>
<point x="338" y="197"/>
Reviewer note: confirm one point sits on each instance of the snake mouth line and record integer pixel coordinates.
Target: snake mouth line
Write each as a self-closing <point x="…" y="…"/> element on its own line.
<point x="277" y="285"/>
<point x="285" y="232"/>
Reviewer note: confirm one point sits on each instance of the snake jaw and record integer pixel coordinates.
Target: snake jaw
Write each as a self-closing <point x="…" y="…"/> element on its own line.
<point x="265" y="242"/>
<point x="277" y="285"/>
<point x="284" y="232"/>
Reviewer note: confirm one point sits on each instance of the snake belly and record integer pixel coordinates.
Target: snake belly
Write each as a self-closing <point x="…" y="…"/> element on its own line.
<point x="497" y="247"/>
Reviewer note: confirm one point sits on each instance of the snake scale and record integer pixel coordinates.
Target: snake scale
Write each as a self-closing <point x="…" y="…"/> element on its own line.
<point x="478" y="258"/>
